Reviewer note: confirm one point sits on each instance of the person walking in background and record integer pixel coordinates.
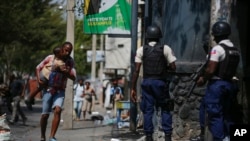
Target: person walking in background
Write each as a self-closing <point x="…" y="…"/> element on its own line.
<point x="3" y="94"/>
<point x="5" y="97"/>
<point x="89" y="99"/>
<point x="222" y="65"/>
<point x="112" y="91"/>
<point x="78" y="98"/>
<point x="54" y="94"/>
<point x="16" y="89"/>
<point x="118" y="96"/>
<point x="44" y="73"/>
<point x="104" y="89"/>
<point x="154" y="86"/>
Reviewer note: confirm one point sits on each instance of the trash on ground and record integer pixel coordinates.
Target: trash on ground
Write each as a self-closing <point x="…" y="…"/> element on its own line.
<point x="5" y="134"/>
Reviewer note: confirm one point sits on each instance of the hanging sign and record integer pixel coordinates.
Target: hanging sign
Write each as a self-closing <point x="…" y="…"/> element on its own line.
<point x="107" y="17"/>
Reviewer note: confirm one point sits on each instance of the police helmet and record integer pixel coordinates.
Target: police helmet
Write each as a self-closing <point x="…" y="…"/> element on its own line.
<point x="221" y="28"/>
<point x="153" y="32"/>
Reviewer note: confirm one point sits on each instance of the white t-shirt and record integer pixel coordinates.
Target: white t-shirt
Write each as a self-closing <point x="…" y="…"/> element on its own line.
<point x="78" y="92"/>
<point x="217" y="53"/>
<point x="167" y="51"/>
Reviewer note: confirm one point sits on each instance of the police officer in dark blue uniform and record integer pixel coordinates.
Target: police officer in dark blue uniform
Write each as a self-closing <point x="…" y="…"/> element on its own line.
<point x="157" y="60"/>
<point x="221" y="91"/>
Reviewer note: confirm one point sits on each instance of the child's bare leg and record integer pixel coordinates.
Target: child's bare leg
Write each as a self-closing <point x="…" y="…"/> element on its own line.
<point x="34" y="93"/>
<point x="31" y="97"/>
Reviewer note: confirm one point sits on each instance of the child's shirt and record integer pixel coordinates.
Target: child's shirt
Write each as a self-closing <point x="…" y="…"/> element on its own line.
<point x="78" y="92"/>
<point x="46" y="65"/>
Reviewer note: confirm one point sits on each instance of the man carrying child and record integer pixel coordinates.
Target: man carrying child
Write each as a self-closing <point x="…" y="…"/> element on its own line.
<point x="54" y="92"/>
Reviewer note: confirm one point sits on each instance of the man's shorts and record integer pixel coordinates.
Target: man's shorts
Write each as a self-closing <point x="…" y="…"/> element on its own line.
<point x="50" y="101"/>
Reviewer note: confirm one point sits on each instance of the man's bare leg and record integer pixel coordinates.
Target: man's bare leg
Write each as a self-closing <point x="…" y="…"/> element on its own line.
<point x="55" y="121"/>
<point x="43" y="125"/>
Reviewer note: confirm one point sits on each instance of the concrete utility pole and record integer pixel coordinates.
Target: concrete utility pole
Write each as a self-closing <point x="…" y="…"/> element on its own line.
<point x="93" y="63"/>
<point x="101" y="67"/>
<point x="101" y="63"/>
<point x="68" y="102"/>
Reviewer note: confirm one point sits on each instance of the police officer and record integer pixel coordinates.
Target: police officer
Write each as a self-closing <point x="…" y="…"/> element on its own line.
<point x="157" y="60"/>
<point x="221" y="91"/>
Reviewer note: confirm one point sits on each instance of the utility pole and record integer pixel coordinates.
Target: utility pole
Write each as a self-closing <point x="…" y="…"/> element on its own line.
<point x="101" y="63"/>
<point x="68" y="101"/>
<point x="93" y="63"/>
<point x="101" y="68"/>
<point x="133" y="106"/>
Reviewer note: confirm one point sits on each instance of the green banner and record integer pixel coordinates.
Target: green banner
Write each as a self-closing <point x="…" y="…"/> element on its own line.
<point x="107" y="17"/>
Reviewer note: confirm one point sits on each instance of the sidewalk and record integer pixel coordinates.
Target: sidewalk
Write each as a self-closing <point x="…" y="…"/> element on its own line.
<point x="82" y="130"/>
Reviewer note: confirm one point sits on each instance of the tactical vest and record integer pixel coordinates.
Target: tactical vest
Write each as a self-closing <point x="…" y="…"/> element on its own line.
<point x="154" y="62"/>
<point x="227" y="68"/>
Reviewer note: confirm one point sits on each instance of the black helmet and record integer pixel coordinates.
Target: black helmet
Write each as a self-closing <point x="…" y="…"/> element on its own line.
<point x="153" y="32"/>
<point x="221" y="28"/>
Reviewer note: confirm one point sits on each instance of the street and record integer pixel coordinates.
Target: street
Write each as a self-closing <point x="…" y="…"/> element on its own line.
<point x="83" y="130"/>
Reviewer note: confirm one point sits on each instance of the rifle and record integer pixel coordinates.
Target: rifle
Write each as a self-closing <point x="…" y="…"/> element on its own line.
<point x="195" y="77"/>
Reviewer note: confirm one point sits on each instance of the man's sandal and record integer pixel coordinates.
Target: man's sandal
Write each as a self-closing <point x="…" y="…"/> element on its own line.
<point x="52" y="139"/>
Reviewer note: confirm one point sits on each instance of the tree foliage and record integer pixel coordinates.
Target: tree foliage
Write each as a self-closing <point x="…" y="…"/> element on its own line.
<point x="29" y="31"/>
<point x="82" y="44"/>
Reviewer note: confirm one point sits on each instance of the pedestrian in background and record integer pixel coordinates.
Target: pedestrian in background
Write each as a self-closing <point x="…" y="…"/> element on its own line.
<point x="78" y="98"/>
<point x="104" y="88"/>
<point x="54" y="94"/>
<point x="16" y="92"/>
<point x="157" y="59"/>
<point x="89" y="99"/>
<point x="4" y="96"/>
<point x="113" y="91"/>
<point x="118" y="96"/>
<point x="222" y="65"/>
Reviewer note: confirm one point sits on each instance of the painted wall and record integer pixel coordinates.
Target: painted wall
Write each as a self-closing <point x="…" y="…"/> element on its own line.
<point x="185" y="25"/>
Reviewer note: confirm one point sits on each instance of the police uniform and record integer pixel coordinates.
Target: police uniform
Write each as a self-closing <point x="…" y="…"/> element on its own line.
<point x="219" y="93"/>
<point x="154" y="84"/>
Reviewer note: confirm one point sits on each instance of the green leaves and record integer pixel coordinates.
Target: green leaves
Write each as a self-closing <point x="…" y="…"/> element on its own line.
<point x="29" y="31"/>
<point x="80" y="54"/>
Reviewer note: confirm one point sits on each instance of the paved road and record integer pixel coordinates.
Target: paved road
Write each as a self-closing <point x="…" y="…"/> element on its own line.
<point x="82" y="130"/>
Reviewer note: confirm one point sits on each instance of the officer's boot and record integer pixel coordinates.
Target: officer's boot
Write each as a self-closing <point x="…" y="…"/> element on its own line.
<point x="149" y="138"/>
<point x="168" y="137"/>
<point x="199" y="137"/>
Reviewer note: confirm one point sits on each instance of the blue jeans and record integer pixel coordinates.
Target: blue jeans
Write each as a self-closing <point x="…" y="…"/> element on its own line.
<point x="78" y="108"/>
<point x="52" y="100"/>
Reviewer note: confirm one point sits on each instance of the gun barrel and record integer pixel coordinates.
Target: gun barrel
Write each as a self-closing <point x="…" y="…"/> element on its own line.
<point x="191" y="89"/>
